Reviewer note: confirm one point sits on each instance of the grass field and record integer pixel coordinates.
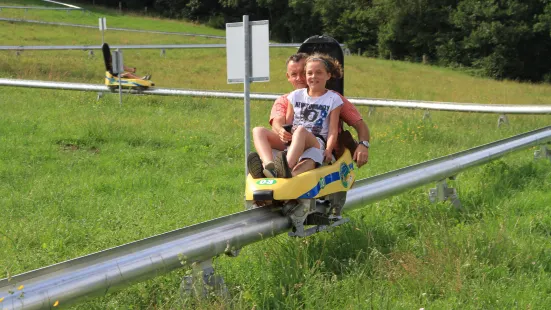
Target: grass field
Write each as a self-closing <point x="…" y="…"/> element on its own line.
<point x="79" y="175"/>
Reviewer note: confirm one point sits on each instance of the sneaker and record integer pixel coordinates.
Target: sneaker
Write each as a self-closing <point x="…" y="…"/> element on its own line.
<point x="254" y="165"/>
<point x="269" y="170"/>
<point x="281" y="166"/>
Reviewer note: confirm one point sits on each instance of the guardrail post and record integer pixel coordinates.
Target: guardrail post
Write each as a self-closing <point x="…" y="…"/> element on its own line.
<point x="426" y="116"/>
<point x="442" y="193"/>
<point x="371" y="110"/>
<point x="91" y="54"/>
<point x="163" y="52"/>
<point x="502" y="120"/>
<point x="203" y="283"/>
<point x="543" y="152"/>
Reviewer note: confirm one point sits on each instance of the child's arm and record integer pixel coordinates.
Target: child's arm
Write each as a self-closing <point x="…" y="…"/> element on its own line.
<point x="333" y="134"/>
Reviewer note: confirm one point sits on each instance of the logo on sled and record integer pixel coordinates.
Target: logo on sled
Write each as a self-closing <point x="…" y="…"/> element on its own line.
<point x="344" y="171"/>
<point x="266" y="182"/>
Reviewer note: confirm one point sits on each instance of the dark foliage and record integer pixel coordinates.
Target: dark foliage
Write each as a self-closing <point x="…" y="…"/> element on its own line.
<point x="503" y="39"/>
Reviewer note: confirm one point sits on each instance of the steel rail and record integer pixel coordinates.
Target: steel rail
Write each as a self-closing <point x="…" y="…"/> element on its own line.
<point x="39" y="8"/>
<point x="443" y="106"/>
<point x="61" y="3"/>
<point x="110" y="28"/>
<point x="112" y="269"/>
<point x="375" y="188"/>
<point x="98" y="47"/>
<point x="454" y="106"/>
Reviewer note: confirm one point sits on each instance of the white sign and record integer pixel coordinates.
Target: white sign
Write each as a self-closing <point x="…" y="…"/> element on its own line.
<point x="102" y="24"/>
<point x="235" y="52"/>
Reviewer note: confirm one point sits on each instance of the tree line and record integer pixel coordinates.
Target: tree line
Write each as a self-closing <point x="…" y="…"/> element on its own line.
<point x="502" y="39"/>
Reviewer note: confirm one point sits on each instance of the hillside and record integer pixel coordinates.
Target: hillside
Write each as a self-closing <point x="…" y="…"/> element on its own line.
<point x="78" y="175"/>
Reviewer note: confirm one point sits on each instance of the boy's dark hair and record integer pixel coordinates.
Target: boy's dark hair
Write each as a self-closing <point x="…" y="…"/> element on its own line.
<point x="296" y="58"/>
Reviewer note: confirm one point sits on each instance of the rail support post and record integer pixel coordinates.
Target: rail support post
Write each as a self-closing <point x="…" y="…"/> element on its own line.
<point x="203" y="283"/>
<point x="163" y="53"/>
<point x="442" y="193"/>
<point x="543" y="152"/>
<point x="91" y="54"/>
<point x="100" y="94"/>
<point x="502" y="120"/>
<point x="426" y="116"/>
<point x="371" y="110"/>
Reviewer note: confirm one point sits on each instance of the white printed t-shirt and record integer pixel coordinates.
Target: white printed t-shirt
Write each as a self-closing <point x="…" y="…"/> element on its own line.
<point x="313" y="113"/>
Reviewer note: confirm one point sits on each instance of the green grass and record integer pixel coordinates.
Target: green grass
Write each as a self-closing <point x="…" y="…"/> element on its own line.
<point x="79" y="175"/>
<point x="114" y="19"/>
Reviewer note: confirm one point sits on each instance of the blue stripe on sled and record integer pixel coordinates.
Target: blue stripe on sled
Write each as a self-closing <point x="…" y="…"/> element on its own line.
<point x="330" y="178"/>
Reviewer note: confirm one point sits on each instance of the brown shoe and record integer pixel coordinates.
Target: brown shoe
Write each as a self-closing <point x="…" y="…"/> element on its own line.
<point x="281" y="166"/>
<point x="254" y="165"/>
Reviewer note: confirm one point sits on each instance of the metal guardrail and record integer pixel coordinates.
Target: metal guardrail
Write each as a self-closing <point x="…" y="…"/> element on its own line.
<point x="153" y="46"/>
<point x="111" y="28"/>
<point x="112" y="269"/>
<point x="442" y="106"/>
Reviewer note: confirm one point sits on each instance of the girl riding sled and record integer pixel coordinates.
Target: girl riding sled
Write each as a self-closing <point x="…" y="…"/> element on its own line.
<point x="314" y="114"/>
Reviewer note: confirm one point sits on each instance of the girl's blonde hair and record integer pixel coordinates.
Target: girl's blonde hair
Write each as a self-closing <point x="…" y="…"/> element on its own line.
<point x="332" y="65"/>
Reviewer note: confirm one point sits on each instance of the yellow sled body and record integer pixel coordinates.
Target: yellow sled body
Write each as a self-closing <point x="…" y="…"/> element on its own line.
<point x="320" y="182"/>
<point x="113" y="82"/>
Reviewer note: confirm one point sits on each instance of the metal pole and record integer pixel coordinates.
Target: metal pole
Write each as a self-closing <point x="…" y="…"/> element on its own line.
<point x="246" y="83"/>
<point x="120" y="73"/>
<point x="109" y="270"/>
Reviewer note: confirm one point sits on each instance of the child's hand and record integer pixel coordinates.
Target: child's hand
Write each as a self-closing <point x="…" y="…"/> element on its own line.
<point x="328" y="155"/>
<point x="285" y="135"/>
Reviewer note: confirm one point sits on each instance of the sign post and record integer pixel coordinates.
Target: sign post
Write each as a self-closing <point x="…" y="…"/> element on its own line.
<point x="248" y="60"/>
<point x="102" y="28"/>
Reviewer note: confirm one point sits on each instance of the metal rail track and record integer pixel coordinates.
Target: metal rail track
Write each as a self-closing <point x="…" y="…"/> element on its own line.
<point x="98" y="47"/>
<point x="427" y="105"/>
<point x="40" y="8"/>
<point x="107" y="271"/>
<point x="110" y="28"/>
